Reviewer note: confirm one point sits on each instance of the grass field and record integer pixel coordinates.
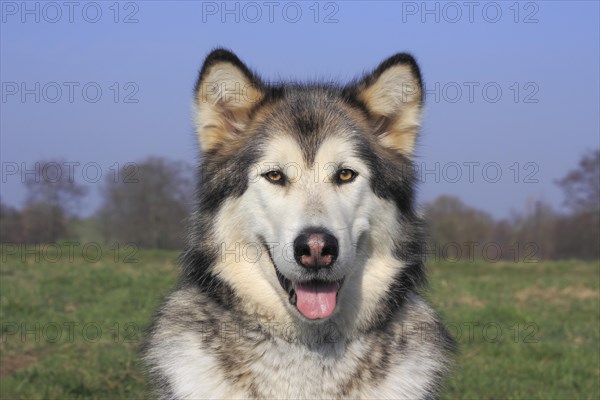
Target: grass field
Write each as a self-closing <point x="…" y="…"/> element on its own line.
<point x="71" y="327"/>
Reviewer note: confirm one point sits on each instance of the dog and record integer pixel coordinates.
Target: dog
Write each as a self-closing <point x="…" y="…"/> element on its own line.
<point x="303" y="271"/>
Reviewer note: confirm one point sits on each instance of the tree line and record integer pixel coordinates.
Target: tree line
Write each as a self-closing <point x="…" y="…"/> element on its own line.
<point x="150" y="210"/>
<point x="145" y="205"/>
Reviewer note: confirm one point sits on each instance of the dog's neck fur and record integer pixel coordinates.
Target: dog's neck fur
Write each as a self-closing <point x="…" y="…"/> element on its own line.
<point x="219" y="355"/>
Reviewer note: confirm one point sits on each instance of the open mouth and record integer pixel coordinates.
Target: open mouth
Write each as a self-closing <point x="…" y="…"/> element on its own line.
<point x="314" y="299"/>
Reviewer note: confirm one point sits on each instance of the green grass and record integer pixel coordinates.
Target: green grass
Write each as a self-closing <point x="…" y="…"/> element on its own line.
<point x="117" y="298"/>
<point x="548" y="315"/>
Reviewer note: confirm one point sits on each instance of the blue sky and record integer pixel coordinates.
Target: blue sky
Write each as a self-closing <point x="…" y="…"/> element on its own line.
<point x="542" y="56"/>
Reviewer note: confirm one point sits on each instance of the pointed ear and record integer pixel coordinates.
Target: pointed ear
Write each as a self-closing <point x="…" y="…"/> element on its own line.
<point x="225" y="93"/>
<point x="393" y="96"/>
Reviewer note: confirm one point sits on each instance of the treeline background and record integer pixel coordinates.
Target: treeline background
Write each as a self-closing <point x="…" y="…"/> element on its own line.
<point x="148" y="203"/>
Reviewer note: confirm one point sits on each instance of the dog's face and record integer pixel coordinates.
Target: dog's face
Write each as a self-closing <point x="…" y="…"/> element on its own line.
<point x="308" y="184"/>
<point x="310" y="209"/>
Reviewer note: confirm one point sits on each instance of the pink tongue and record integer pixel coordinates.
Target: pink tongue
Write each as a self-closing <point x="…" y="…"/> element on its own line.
<point x="316" y="301"/>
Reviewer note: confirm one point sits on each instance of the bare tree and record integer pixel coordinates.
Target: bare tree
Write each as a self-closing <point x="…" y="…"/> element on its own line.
<point x="148" y="204"/>
<point x="54" y="186"/>
<point x="52" y="196"/>
<point x="534" y="232"/>
<point x="10" y="224"/>
<point x="580" y="231"/>
<point x="581" y="186"/>
<point x="43" y="223"/>
<point x="453" y="224"/>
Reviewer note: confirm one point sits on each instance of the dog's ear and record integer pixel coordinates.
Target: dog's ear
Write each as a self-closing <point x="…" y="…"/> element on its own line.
<point x="225" y="93"/>
<point x="393" y="95"/>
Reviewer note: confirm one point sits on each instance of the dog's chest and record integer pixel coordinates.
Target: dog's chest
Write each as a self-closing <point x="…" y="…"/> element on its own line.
<point x="292" y="371"/>
<point x="277" y="369"/>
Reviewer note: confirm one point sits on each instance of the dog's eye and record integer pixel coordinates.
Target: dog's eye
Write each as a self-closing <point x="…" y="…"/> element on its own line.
<point x="275" y="177"/>
<point x="346" y="175"/>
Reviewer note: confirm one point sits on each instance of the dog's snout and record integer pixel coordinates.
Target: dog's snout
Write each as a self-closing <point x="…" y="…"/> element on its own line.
<point x="315" y="249"/>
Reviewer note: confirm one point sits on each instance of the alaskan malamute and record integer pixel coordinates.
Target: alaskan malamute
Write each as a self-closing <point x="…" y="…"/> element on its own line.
<point x="304" y="262"/>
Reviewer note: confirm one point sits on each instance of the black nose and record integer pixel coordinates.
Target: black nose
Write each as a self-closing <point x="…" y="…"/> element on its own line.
<point x="315" y="249"/>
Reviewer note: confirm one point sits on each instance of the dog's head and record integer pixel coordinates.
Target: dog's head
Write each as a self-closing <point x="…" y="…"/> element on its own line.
<point x="307" y="190"/>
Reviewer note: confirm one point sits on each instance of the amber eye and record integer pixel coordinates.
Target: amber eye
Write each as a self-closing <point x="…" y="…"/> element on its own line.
<point x="275" y="177"/>
<point x="346" y="175"/>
